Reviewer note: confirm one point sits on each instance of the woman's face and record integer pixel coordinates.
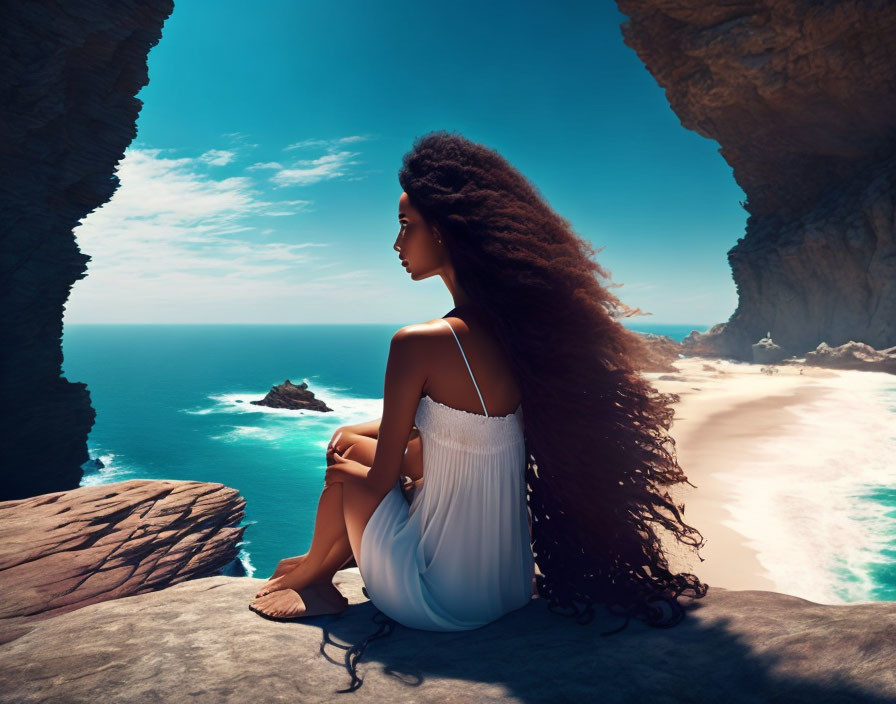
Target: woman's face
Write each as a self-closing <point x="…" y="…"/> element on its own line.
<point x="417" y="244"/>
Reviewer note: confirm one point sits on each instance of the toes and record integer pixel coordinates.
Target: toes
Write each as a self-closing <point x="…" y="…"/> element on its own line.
<point x="261" y="601"/>
<point x="262" y="605"/>
<point x="270" y="605"/>
<point x="288" y="603"/>
<point x="265" y="589"/>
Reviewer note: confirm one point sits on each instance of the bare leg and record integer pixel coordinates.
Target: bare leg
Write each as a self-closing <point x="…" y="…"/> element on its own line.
<point x="340" y="554"/>
<point x="308" y="590"/>
<point x="286" y="564"/>
<point x="329" y="529"/>
<point x="363" y="450"/>
<point x="330" y="547"/>
<point x="302" y="591"/>
<point x="336" y="518"/>
<point x="342" y="513"/>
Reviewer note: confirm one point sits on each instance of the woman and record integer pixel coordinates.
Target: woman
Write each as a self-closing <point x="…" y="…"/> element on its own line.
<point x="539" y="398"/>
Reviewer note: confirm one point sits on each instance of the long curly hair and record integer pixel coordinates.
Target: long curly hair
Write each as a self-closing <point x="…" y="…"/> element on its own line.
<point x="598" y="452"/>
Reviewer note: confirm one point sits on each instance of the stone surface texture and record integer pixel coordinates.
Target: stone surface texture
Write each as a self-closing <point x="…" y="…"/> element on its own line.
<point x="657" y="353"/>
<point x="853" y="355"/>
<point x="766" y="351"/>
<point x="69" y="74"/>
<point x="800" y="94"/>
<point x="198" y="641"/>
<point x="62" y="551"/>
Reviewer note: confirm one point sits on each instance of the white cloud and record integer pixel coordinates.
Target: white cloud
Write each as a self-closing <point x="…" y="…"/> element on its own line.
<point x="240" y="139"/>
<point x="308" y="171"/>
<point x="335" y="163"/>
<point x="326" y="143"/>
<point x="173" y="244"/>
<point x="307" y="143"/>
<point x="217" y="157"/>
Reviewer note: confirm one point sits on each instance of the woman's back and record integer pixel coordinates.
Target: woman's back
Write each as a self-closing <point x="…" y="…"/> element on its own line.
<point x="459" y="556"/>
<point x="470" y="345"/>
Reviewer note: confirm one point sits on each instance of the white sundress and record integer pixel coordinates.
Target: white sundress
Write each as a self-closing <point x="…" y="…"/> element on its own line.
<point x="459" y="556"/>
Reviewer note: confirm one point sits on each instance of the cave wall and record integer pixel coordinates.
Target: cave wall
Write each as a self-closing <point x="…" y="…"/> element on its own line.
<point x="69" y="74"/>
<point x="828" y="275"/>
<point x="801" y="96"/>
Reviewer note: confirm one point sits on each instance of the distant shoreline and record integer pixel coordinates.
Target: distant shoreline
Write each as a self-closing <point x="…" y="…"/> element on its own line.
<point x="729" y="417"/>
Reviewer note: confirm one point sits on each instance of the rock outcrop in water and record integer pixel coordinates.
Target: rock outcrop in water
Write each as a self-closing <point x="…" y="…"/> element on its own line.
<point x="198" y="641"/>
<point x="62" y="551"/>
<point x="293" y="397"/>
<point x="801" y="97"/>
<point x="70" y="72"/>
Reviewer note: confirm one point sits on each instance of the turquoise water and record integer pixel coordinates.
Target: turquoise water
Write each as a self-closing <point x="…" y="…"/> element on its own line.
<point x="168" y="407"/>
<point x="172" y="403"/>
<point x="879" y="583"/>
<point x="167" y="401"/>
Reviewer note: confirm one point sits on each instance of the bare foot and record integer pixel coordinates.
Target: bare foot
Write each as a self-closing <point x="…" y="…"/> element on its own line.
<point x="290" y="580"/>
<point x="286" y="565"/>
<point x="313" y="600"/>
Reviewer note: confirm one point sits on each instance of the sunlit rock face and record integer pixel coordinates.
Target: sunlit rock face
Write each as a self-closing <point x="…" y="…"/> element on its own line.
<point x="801" y="97"/>
<point x="67" y="549"/>
<point x="198" y="641"/>
<point x="69" y="73"/>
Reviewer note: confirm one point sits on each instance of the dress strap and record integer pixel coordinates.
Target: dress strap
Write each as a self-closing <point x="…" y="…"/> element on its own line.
<point x="467" y="363"/>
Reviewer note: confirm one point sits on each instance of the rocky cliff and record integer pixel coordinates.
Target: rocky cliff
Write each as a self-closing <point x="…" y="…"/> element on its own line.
<point x="198" y="641"/>
<point x="800" y="95"/>
<point x="62" y="551"/>
<point x="69" y="73"/>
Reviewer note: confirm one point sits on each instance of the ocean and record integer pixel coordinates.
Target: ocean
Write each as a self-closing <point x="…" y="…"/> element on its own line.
<point x="172" y="402"/>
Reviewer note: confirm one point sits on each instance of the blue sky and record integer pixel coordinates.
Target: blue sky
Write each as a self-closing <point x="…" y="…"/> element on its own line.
<point x="262" y="185"/>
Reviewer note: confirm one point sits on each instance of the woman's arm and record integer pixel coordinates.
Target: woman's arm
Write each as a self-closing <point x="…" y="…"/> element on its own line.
<point x="405" y="378"/>
<point x="370" y="429"/>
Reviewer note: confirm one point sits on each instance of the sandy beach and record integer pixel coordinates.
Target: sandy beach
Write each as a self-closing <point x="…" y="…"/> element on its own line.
<point x="777" y="460"/>
<point x="781" y="465"/>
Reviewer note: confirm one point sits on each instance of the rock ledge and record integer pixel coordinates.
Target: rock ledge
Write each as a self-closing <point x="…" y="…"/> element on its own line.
<point x="198" y="641"/>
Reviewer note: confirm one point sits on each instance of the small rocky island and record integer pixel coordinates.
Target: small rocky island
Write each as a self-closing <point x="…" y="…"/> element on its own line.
<point x="288" y="395"/>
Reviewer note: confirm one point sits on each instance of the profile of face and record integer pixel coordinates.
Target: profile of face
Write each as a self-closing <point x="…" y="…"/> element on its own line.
<point x="418" y="245"/>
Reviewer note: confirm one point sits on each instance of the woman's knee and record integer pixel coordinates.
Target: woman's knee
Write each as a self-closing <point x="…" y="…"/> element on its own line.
<point x="357" y="447"/>
<point x="346" y="439"/>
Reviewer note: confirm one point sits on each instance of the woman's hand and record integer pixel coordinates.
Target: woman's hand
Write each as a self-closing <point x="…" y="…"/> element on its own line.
<point x="410" y="488"/>
<point x="341" y="470"/>
<point x="333" y="444"/>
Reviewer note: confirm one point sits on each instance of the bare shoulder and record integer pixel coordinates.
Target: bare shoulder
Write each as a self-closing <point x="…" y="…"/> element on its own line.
<point x="421" y="332"/>
<point x="418" y="343"/>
